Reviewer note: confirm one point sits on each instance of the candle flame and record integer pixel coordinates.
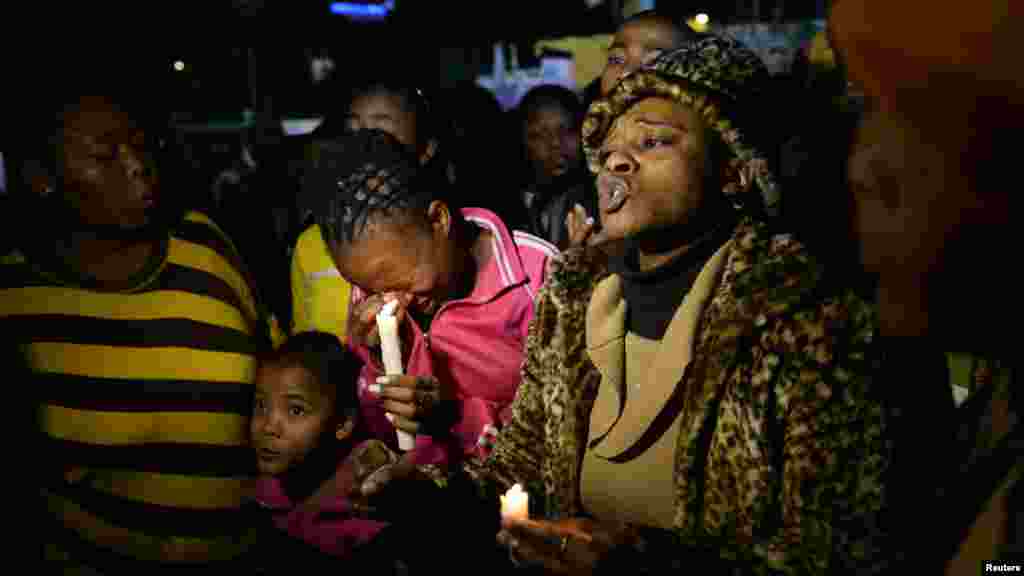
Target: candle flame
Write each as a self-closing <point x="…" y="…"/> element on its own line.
<point x="513" y="492"/>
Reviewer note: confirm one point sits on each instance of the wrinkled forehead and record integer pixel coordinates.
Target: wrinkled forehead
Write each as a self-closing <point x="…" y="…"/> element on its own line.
<point x="654" y="112"/>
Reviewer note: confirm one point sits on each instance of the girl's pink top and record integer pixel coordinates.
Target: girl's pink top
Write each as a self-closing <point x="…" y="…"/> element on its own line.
<point x="327" y="525"/>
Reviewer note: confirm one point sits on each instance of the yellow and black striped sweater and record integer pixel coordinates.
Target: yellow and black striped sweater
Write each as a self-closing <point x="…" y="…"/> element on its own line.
<point x="143" y="399"/>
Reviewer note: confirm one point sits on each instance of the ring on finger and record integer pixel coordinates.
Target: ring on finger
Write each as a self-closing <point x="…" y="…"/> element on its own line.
<point x="512" y="556"/>
<point x="564" y="545"/>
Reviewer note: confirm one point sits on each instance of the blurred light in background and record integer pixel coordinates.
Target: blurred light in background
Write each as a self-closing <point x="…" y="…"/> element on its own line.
<point x="300" y="126"/>
<point x="701" y="22"/>
<point x="364" y="12"/>
<point x="179" y="65"/>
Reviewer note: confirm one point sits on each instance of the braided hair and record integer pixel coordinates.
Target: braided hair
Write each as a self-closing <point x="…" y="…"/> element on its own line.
<point x="364" y="175"/>
<point x="329" y="362"/>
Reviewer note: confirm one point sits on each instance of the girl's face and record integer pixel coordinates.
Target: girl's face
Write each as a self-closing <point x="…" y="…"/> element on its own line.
<point x="291" y="414"/>
<point x="551" y="137"/>
<point x="384" y="111"/>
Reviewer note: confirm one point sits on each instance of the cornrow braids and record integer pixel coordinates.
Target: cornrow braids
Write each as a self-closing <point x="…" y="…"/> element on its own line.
<point x="360" y="176"/>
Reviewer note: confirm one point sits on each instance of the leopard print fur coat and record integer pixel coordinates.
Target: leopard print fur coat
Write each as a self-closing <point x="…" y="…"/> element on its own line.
<point x="782" y="451"/>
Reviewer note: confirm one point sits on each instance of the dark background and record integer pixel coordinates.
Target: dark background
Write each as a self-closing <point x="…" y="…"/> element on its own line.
<point x="234" y="49"/>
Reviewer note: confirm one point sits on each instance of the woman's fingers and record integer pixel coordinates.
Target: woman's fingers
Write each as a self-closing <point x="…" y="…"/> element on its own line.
<point x="395" y="384"/>
<point x="597" y="239"/>
<point x="541" y="529"/>
<point x="422" y="402"/>
<point x="372" y="337"/>
<point x="403" y="409"/>
<point x="579" y="225"/>
<point x="527" y="550"/>
<point x="386" y="477"/>
<point x="409" y="396"/>
<point x="406" y="424"/>
<point x="365" y="329"/>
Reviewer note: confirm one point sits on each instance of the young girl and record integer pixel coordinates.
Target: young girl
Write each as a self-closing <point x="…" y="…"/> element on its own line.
<point x="303" y="430"/>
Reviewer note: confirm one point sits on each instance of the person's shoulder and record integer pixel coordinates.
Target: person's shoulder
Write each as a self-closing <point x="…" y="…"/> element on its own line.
<point x="530" y="246"/>
<point x="313" y="256"/>
<point x="762" y="258"/>
<point x="572" y="274"/>
<point x="199" y="218"/>
<point x="310" y="244"/>
<point x="199" y="228"/>
<point x="780" y="282"/>
<point x="310" y="236"/>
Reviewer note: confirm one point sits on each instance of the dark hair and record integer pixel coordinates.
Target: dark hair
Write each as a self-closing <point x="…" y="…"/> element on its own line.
<point x="538" y="98"/>
<point x="362" y="175"/>
<point x="413" y="99"/>
<point x="547" y="95"/>
<point x="329" y="361"/>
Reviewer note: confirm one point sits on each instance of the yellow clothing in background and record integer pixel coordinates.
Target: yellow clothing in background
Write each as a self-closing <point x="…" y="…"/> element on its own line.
<point x="320" y="296"/>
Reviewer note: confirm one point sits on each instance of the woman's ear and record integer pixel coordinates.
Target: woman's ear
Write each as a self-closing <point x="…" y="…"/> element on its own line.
<point x="429" y="151"/>
<point x="344" y="430"/>
<point x="39" y="182"/>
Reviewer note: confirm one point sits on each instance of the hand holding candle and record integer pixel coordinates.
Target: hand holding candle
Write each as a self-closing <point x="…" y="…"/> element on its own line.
<point x="515" y="504"/>
<point x="391" y="350"/>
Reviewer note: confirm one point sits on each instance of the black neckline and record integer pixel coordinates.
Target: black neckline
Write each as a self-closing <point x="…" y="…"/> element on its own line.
<point x="653" y="296"/>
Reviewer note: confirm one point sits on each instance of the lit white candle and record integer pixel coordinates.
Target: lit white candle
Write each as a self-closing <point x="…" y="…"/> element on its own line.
<point x="391" y="350"/>
<point x="515" y="504"/>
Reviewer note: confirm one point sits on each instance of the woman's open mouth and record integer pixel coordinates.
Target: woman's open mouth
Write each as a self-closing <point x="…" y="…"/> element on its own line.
<point x="612" y="193"/>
